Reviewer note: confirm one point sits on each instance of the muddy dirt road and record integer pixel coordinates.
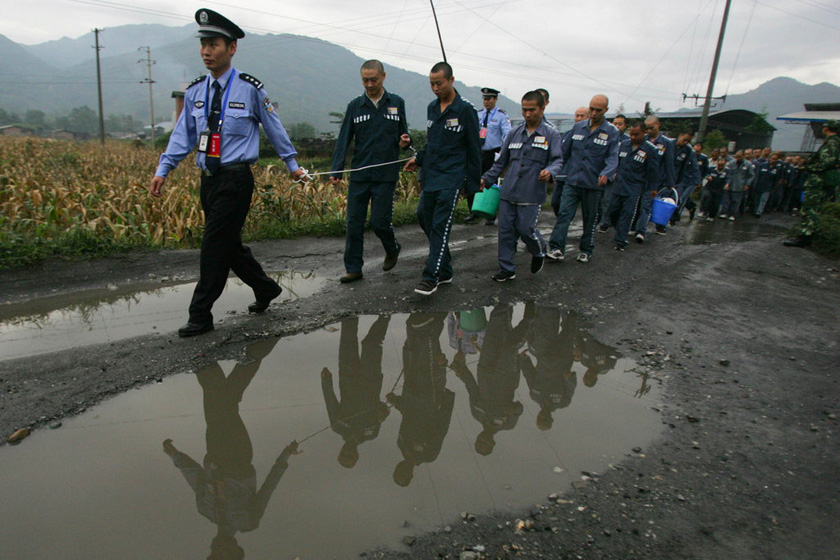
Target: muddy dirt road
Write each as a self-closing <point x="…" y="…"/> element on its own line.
<point x="741" y="334"/>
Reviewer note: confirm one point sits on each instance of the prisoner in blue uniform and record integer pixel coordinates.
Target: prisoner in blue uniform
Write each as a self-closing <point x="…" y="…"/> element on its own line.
<point x="667" y="177"/>
<point x="638" y="172"/>
<point x="590" y="160"/>
<point x="687" y="171"/>
<point x="713" y="189"/>
<point x="222" y="112"/>
<point x="766" y="179"/>
<point x="532" y="154"/>
<point x="451" y="163"/>
<point x="376" y="121"/>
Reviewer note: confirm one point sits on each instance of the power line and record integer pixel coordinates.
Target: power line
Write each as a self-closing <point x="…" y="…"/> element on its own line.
<point x="741" y="46"/>
<point x="797" y="15"/>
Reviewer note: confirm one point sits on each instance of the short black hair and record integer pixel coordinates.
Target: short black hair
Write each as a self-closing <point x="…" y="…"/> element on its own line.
<point x="373" y="64"/>
<point x="442" y="67"/>
<point x="637" y="124"/>
<point x="535" y="96"/>
<point x="620" y="116"/>
<point x="543" y="92"/>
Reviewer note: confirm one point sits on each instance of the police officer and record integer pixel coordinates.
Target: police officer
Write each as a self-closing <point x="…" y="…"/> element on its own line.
<point x="494" y="126"/>
<point x="376" y="120"/>
<point x="222" y="113"/>
<point x="451" y="164"/>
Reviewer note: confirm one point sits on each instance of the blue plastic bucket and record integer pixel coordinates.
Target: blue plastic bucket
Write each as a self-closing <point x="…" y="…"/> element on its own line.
<point x="661" y="211"/>
<point x="486" y="203"/>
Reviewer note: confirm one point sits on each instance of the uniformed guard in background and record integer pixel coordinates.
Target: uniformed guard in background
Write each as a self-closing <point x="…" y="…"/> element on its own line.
<point x="823" y="178"/>
<point x="376" y="120"/>
<point x="222" y="114"/>
<point x="494" y="126"/>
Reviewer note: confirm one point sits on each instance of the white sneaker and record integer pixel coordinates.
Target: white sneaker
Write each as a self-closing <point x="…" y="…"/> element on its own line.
<point x="731" y="218"/>
<point x="584" y="257"/>
<point x="723" y="216"/>
<point x="556" y="255"/>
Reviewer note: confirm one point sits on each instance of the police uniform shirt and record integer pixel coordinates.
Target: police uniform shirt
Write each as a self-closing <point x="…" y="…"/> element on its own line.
<point x="498" y="127"/>
<point x="245" y="106"/>
<point x="451" y="159"/>
<point x="665" y="145"/>
<point x="638" y="169"/>
<point x="687" y="168"/>
<point x="527" y="154"/>
<point x="376" y="130"/>
<point x="589" y="154"/>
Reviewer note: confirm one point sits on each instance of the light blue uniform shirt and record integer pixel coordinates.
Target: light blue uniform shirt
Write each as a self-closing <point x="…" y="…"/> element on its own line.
<point x="498" y="126"/>
<point x="245" y="105"/>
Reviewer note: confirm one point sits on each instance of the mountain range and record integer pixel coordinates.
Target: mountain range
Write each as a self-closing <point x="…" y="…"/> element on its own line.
<point x="310" y="78"/>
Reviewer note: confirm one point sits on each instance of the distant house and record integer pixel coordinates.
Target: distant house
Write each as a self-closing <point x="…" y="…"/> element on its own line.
<point x="814" y="115"/>
<point x="16" y="130"/>
<point x="735" y="124"/>
<point x="64" y="134"/>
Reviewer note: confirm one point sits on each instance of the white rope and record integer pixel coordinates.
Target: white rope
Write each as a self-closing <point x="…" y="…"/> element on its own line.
<point x="307" y="176"/>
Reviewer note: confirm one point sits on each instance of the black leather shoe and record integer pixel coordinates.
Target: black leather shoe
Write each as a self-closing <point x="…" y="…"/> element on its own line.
<point x="193" y="329"/>
<point x="391" y="261"/>
<point x="351" y="277"/>
<point x="262" y="304"/>
<point x="801" y="241"/>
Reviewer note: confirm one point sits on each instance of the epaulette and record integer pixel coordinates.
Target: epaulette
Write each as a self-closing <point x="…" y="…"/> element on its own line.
<point x="502" y="111"/>
<point x="251" y="80"/>
<point x="197" y="81"/>
<point x="469" y="102"/>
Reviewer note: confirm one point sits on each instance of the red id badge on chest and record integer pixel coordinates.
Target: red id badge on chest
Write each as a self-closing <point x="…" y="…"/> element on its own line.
<point x="483" y="132"/>
<point x="214" y="147"/>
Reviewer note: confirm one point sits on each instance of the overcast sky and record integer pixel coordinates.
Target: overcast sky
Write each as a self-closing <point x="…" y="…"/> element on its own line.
<point x="632" y="50"/>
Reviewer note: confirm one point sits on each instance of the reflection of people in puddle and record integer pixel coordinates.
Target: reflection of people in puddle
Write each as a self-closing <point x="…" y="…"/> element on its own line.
<point x="359" y="415"/>
<point x="551" y="382"/>
<point x="597" y="357"/>
<point x="226" y="485"/>
<point x="425" y="404"/>
<point x="466" y="334"/>
<point x="492" y="395"/>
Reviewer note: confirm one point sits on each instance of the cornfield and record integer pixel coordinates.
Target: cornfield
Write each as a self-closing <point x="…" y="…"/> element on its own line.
<point x="50" y="189"/>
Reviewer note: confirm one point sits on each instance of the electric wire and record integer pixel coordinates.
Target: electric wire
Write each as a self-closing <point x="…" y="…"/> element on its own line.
<point x="741" y="46"/>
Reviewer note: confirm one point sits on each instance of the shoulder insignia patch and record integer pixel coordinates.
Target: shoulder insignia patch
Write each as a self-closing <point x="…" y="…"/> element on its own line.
<point x="197" y="81"/>
<point x="251" y="80"/>
<point x="502" y="111"/>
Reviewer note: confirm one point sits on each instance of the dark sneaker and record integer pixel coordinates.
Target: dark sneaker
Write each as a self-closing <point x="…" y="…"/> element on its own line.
<point x="262" y="303"/>
<point x="660" y="230"/>
<point x="537" y="263"/>
<point x="391" y="261"/>
<point x="447" y="280"/>
<point x="640" y="238"/>
<point x="351" y="277"/>
<point x="470" y="219"/>
<point x="584" y="258"/>
<point x="621" y="248"/>
<point x="426" y="288"/>
<point x="504" y="276"/>
<point x="555" y="255"/>
<point x="603" y="228"/>
<point x="193" y="329"/>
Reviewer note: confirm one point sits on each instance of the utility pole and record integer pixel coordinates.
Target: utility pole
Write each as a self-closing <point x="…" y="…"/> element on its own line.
<point x="99" y="88"/>
<point x="704" y="120"/>
<point x="148" y="60"/>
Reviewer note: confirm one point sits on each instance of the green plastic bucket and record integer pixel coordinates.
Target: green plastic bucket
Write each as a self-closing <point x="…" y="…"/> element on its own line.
<point x="486" y="203"/>
<point x="473" y="321"/>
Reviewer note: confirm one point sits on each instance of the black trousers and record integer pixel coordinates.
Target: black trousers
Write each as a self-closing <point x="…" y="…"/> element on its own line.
<point x="226" y="199"/>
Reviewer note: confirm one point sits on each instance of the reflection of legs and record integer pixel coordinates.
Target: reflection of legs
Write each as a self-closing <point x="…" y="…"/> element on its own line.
<point x="228" y="443"/>
<point x="438" y="209"/>
<point x="372" y="345"/>
<point x="358" y="196"/>
<point x="348" y="347"/>
<point x="382" y="213"/>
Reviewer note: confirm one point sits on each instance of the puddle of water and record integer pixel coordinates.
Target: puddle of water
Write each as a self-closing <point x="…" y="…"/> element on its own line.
<point x="701" y="232"/>
<point x="432" y="414"/>
<point x="96" y="316"/>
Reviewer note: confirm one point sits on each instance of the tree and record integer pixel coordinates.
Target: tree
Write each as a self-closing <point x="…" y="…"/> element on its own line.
<point x="337" y="118"/>
<point x="302" y="130"/>
<point x="35" y="118"/>
<point x="714" y="139"/>
<point x="759" y="123"/>
<point x="83" y="120"/>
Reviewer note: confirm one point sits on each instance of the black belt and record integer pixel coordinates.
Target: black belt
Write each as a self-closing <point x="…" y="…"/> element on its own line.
<point x="226" y="169"/>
